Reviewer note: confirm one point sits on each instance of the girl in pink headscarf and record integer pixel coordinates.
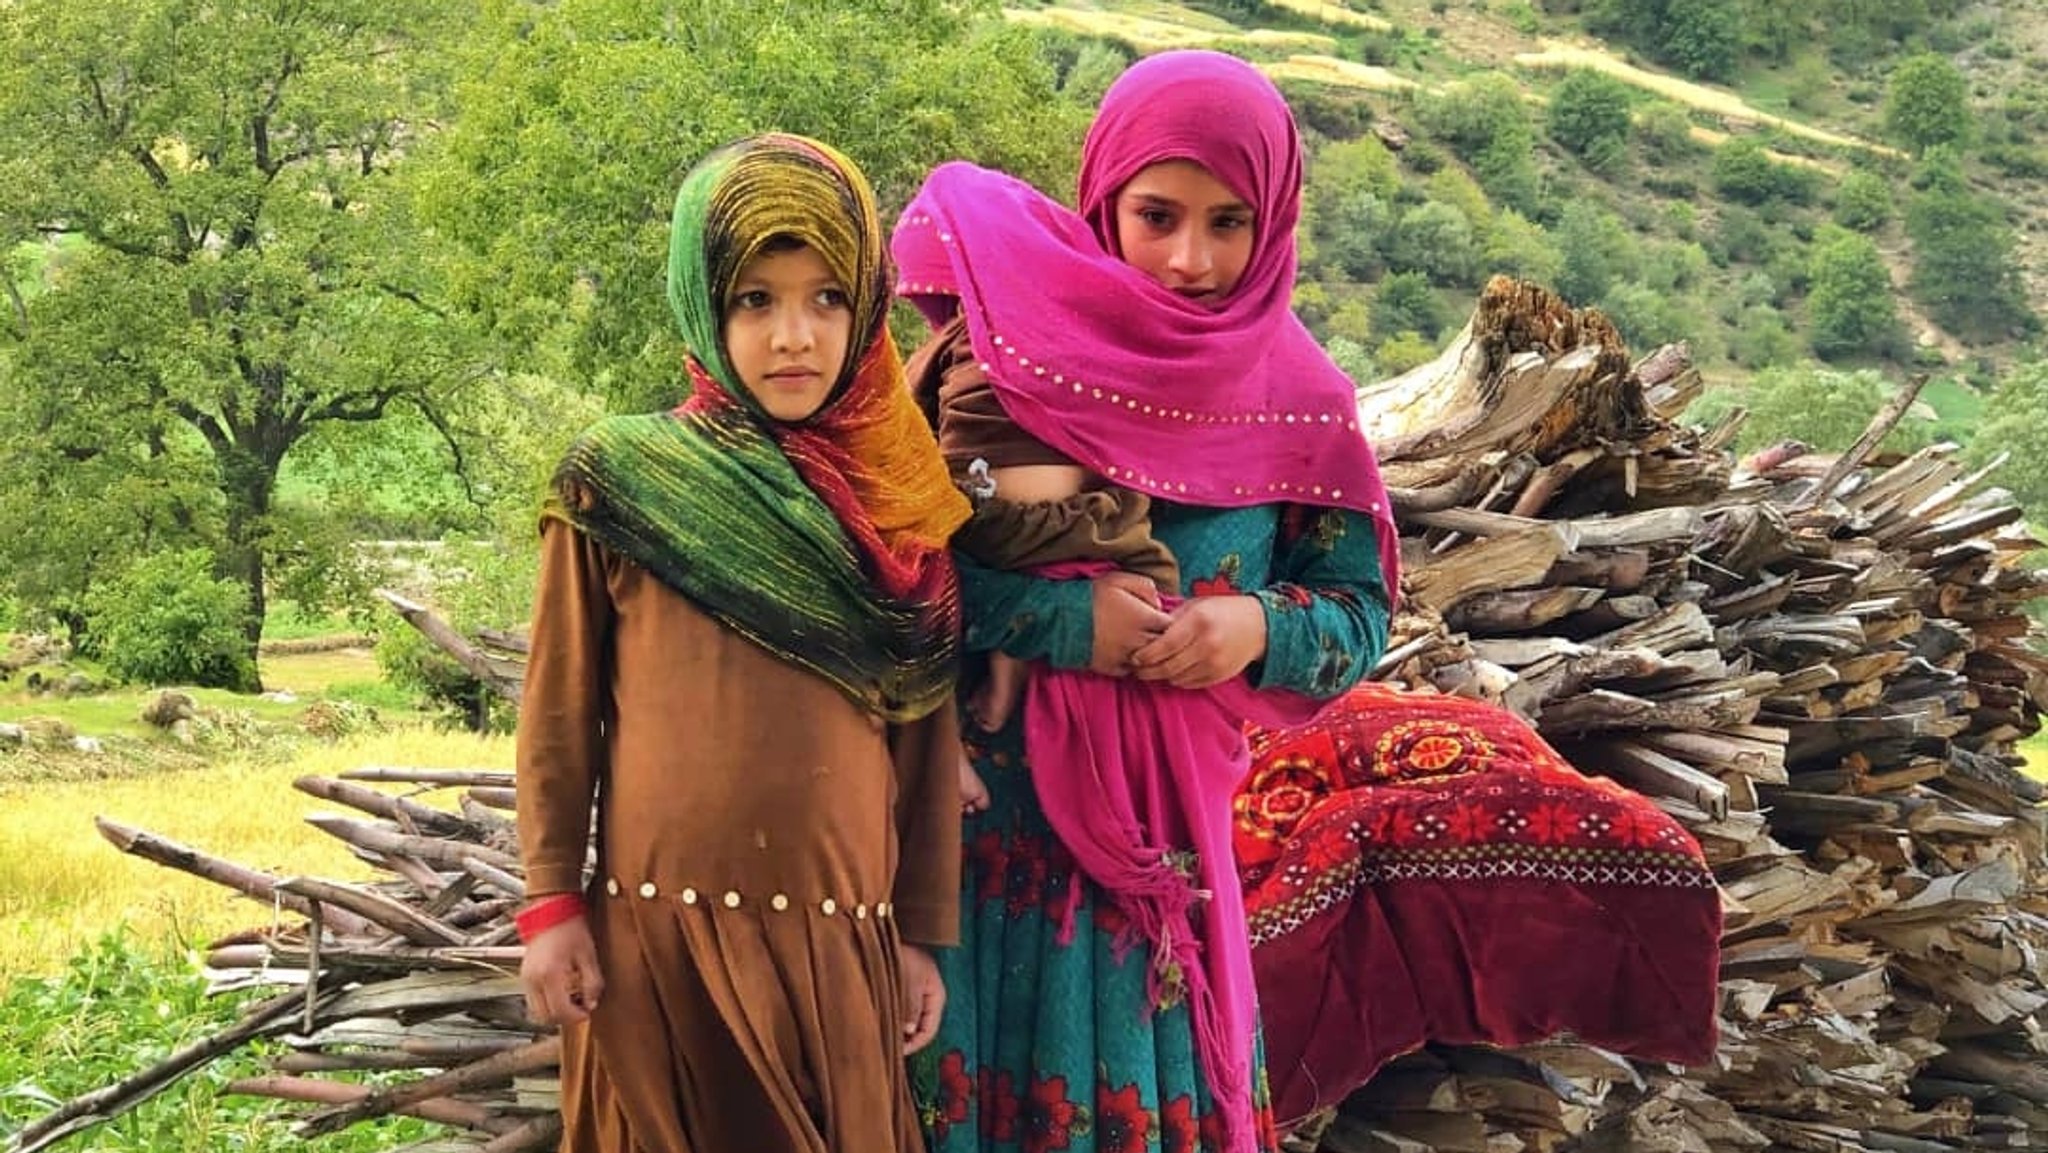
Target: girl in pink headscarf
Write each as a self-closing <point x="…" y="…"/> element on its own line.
<point x="1134" y="378"/>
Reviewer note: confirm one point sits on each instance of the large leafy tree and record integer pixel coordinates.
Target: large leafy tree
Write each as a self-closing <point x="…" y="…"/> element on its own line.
<point x="580" y="117"/>
<point x="1965" y="271"/>
<point x="242" y="266"/>
<point x="1850" y="301"/>
<point x="2015" y="423"/>
<point x="1927" y="103"/>
<point x="1703" y="37"/>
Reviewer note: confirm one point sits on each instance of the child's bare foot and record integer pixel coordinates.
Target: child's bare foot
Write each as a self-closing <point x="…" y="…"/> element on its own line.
<point x="973" y="792"/>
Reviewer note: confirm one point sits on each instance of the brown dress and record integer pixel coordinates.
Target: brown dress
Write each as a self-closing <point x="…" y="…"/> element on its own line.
<point x="762" y="846"/>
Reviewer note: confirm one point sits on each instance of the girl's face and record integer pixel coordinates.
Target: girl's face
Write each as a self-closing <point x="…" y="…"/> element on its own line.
<point x="1179" y="225"/>
<point x="787" y="325"/>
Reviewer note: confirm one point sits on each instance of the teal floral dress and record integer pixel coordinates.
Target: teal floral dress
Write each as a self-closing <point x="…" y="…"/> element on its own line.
<point x="1046" y="1046"/>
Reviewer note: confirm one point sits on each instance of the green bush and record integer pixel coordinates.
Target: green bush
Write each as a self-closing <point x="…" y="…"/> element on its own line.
<point x="1761" y="339"/>
<point x="1743" y="173"/>
<point x="1850" y="305"/>
<point x="1648" y="318"/>
<point x="1403" y="351"/>
<point x="1665" y="130"/>
<point x="1437" y="241"/>
<point x="1826" y="409"/>
<point x="1354" y="358"/>
<point x="1928" y="103"/>
<point x="474" y="584"/>
<point x="1589" y="111"/>
<point x="2018" y="161"/>
<point x="1516" y="246"/>
<point x="115" y="1009"/>
<point x="168" y="620"/>
<point x="1405" y="304"/>
<point x="1863" y="202"/>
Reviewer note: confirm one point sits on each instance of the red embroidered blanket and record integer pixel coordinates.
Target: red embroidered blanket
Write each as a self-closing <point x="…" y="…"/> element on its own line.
<point x="1425" y="868"/>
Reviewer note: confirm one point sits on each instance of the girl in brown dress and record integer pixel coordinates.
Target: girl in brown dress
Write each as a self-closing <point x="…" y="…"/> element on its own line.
<point x="743" y="654"/>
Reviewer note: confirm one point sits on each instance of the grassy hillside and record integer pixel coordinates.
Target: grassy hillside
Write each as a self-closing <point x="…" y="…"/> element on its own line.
<point x="1704" y="219"/>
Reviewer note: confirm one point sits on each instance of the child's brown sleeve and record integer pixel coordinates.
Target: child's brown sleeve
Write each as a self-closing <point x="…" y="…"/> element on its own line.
<point x="562" y="711"/>
<point x="927" y="896"/>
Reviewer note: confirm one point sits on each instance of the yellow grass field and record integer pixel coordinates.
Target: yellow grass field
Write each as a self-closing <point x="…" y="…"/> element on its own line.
<point x="62" y="885"/>
<point x="1340" y="73"/>
<point x="1169" y="29"/>
<point x="1327" y="13"/>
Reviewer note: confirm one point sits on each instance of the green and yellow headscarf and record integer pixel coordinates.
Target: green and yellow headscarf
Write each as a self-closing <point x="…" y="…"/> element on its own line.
<point x="822" y="540"/>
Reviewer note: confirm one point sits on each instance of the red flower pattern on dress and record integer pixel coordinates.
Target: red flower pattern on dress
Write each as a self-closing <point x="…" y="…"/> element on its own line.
<point x="988" y="864"/>
<point x="1047" y="1117"/>
<point x="956" y="1093"/>
<point x="1001" y="1109"/>
<point x="1109" y="916"/>
<point x="1294" y="595"/>
<point x="1177" y="1130"/>
<point x="1211" y="1131"/>
<point x="1224" y="583"/>
<point x="1121" y="1120"/>
<point x="1024" y="875"/>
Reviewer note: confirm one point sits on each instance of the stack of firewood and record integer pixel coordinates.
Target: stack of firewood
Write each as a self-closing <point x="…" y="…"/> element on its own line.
<point x="1816" y="662"/>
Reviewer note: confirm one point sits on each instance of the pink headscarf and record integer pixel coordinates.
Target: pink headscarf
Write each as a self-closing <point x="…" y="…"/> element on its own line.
<point x="1220" y="407"/>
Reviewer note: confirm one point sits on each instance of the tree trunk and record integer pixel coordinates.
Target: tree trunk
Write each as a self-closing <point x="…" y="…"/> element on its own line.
<point x="247" y="483"/>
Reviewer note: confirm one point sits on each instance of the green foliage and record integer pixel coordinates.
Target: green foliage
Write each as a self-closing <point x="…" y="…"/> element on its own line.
<point x="1703" y="38"/>
<point x="1347" y="214"/>
<point x="1589" y="109"/>
<point x="1927" y="103"/>
<point x="168" y="620"/>
<point x="120" y="1006"/>
<point x="473" y="584"/>
<point x="2015" y="422"/>
<point x="1674" y="268"/>
<point x="1647" y="317"/>
<point x="1485" y="120"/>
<point x="1403" y="351"/>
<point x="1343" y="167"/>
<point x="1864" y="201"/>
<point x="248" y="267"/>
<point x="1773" y="29"/>
<point x="1761" y="339"/>
<point x="1665" y="132"/>
<point x="1849" y="302"/>
<point x="1405" y="304"/>
<point x="1964" y="269"/>
<point x="579" y="119"/>
<point x="1453" y="187"/>
<point x="1354" y="358"/>
<point x="1744" y="172"/>
<point x="1516" y="246"/>
<point x="1823" y="408"/>
<point x="1436" y="240"/>
<point x="1352" y="321"/>
<point x="1351" y="234"/>
<point x="1597" y="250"/>
<point x="1094" y="69"/>
<point x="1808" y="85"/>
